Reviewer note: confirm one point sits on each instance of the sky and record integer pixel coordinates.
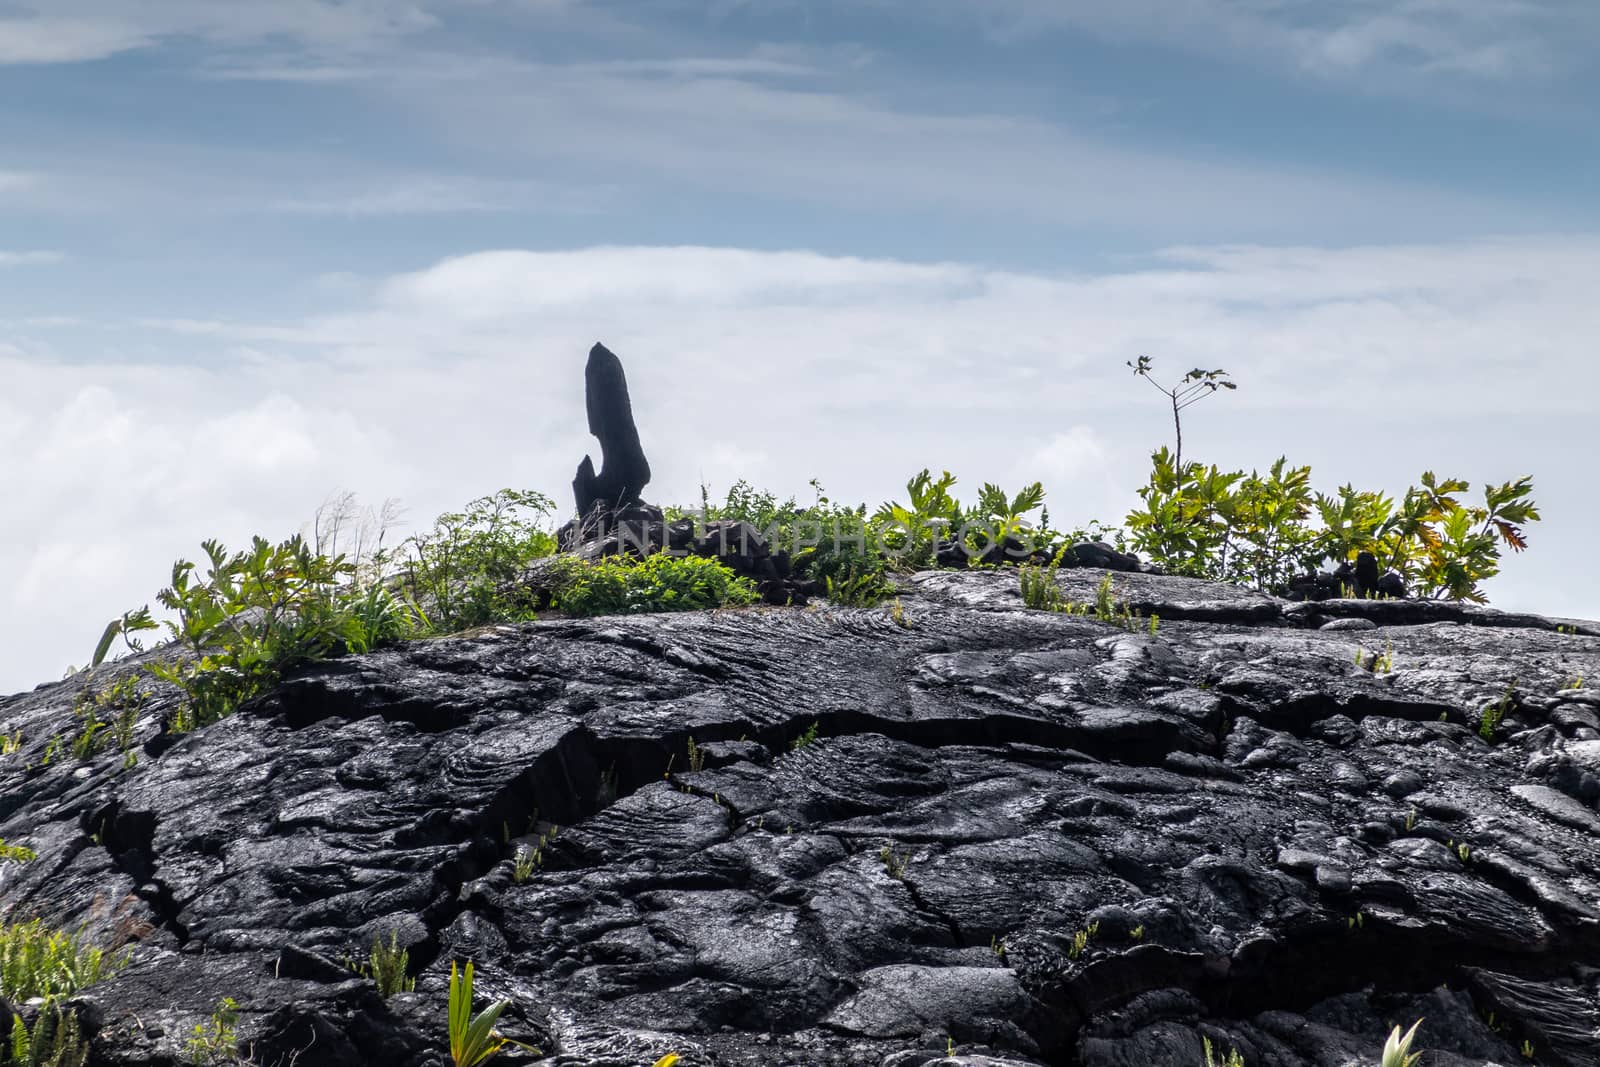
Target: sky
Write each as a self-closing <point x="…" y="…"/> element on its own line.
<point x="256" y="254"/>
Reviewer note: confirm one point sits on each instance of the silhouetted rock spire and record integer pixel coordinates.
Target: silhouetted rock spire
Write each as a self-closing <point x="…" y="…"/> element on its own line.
<point x="624" y="472"/>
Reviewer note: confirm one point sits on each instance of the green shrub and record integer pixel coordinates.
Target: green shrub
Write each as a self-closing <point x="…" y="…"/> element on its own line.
<point x="464" y="571"/>
<point x="860" y="584"/>
<point x="216" y="1042"/>
<point x="36" y="961"/>
<point x="621" y="585"/>
<point x="255" y="614"/>
<point x="17" y="853"/>
<point x="1263" y="531"/>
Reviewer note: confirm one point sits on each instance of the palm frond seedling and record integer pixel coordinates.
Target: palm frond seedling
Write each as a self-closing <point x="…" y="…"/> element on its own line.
<point x="472" y="1037"/>
<point x="1397" y="1050"/>
<point x="1233" y="1059"/>
<point x="668" y="1060"/>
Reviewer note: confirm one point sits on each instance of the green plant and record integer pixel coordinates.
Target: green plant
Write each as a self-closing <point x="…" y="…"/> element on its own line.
<point x="464" y="572"/>
<point x="254" y="614"/>
<point x="1155" y="624"/>
<point x="1411" y="820"/>
<point x="1493" y="714"/>
<point x="858" y="585"/>
<point x="472" y="1037"/>
<point x="1527" y="1049"/>
<point x="56" y="1040"/>
<point x="697" y="757"/>
<point x="526" y="861"/>
<point x="1576" y="683"/>
<point x="1080" y="940"/>
<point x="1191" y="389"/>
<point x="894" y="864"/>
<point x="619" y="585"/>
<point x="897" y="612"/>
<point x="216" y="1041"/>
<point x="1397" y="1050"/>
<point x="36" y="961"/>
<point x="1264" y="530"/>
<point x="998" y="947"/>
<point x="1038" y="587"/>
<point x="668" y="1060"/>
<point x="10" y="743"/>
<point x="386" y="965"/>
<point x="1233" y="1058"/>
<point x="1137" y="933"/>
<point x="17" y="853"/>
<point x="807" y="736"/>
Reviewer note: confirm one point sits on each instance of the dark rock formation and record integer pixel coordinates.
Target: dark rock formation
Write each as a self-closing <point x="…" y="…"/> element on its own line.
<point x="1361" y="580"/>
<point x="1273" y="847"/>
<point x="624" y="472"/>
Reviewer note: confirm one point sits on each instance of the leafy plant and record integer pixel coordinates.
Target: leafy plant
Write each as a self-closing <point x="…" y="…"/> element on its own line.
<point x="1490" y="717"/>
<point x="17" y="853"/>
<point x="10" y="743"/>
<point x="1080" y="940"/>
<point x="55" y="1041"/>
<point x="858" y="585"/>
<point x="910" y="532"/>
<point x="807" y="736"/>
<point x="1264" y="531"/>
<point x="216" y="1041"/>
<point x="1038" y="587"/>
<point x="36" y="961"/>
<point x="894" y="864"/>
<point x="472" y="1037"/>
<point x="1397" y="1050"/>
<point x="464" y="571"/>
<point x="254" y="614"/>
<point x="1191" y="389"/>
<point x="1233" y="1058"/>
<point x="386" y="965"/>
<point x="522" y="868"/>
<point x="617" y="585"/>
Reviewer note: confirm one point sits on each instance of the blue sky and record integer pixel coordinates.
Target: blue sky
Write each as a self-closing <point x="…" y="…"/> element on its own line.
<point x="253" y="253"/>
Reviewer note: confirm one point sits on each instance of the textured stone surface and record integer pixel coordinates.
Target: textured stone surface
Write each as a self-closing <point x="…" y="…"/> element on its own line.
<point x="1274" y="847"/>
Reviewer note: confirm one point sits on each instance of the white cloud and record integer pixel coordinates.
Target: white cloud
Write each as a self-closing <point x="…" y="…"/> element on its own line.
<point x="1371" y="364"/>
<point x="802" y="143"/>
<point x="1355" y="41"/>
<point x="57" y="31"/>
<point x="12" y="181"/>
<point x="18" y="259"/>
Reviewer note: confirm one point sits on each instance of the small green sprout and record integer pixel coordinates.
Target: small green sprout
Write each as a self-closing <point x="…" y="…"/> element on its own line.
<point x="1397" y="1050"/>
